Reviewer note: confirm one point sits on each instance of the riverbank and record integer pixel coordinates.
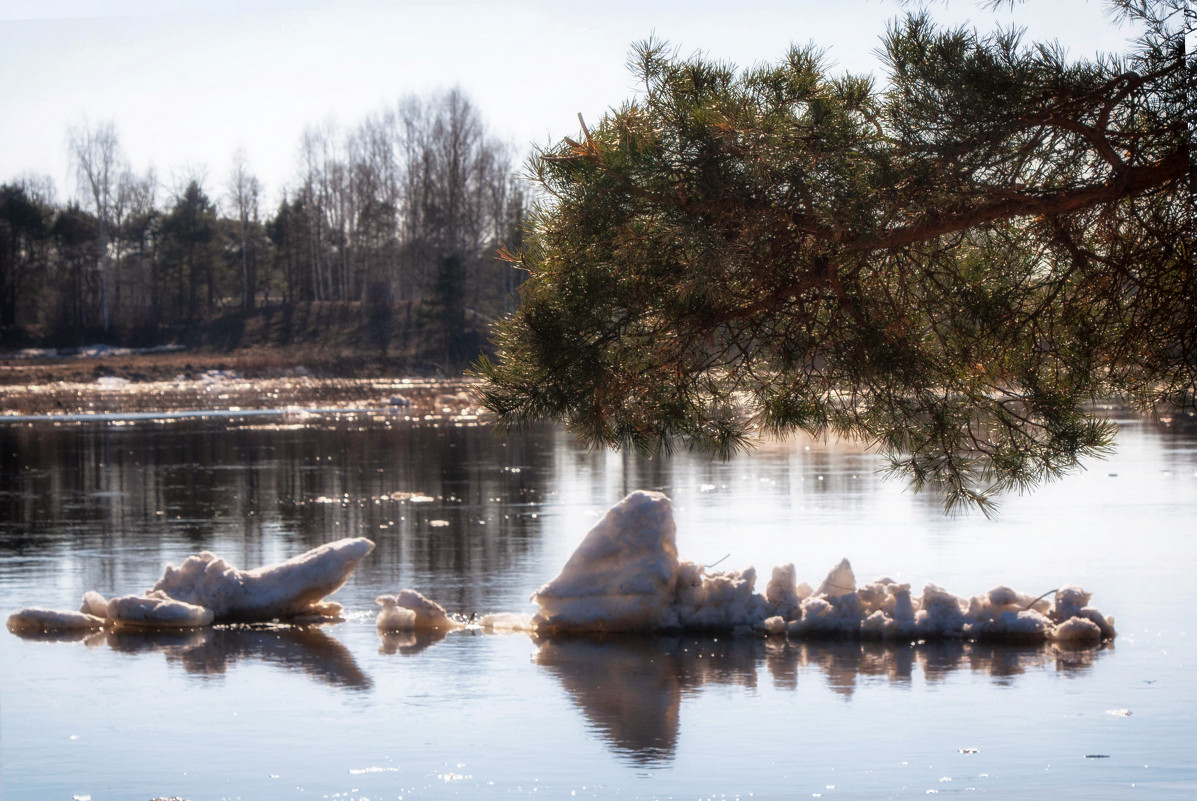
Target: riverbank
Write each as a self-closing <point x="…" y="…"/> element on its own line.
<point x="320" y="339"/>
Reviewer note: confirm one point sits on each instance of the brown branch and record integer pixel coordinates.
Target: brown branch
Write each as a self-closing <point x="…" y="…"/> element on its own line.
<point x="1134" y="181"/>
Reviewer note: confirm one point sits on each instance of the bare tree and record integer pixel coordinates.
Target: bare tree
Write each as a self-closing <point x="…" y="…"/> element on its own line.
<point x="95" y="154"/>
<point x="243" y="191"/>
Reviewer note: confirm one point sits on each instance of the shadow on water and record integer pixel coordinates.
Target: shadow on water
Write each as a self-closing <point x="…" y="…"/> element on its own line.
<point x="630" y="688"/>
<point x="210" y="652"/>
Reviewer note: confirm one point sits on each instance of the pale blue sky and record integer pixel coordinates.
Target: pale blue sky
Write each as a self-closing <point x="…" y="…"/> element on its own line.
<point x="188" y="82"/>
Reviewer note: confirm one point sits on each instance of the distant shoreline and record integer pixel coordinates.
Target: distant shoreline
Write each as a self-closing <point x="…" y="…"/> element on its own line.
<point x="119" y="381"/>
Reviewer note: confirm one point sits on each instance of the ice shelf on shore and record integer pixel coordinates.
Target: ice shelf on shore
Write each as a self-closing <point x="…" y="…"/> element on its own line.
<point x="205" y="589"/>
<point x="626" y="576"/>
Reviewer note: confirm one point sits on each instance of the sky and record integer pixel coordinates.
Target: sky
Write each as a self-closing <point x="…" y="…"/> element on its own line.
<point x="189" y="82"/>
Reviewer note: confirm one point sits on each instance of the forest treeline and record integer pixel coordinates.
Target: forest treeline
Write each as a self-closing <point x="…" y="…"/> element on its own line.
<point x="402" y="215"/>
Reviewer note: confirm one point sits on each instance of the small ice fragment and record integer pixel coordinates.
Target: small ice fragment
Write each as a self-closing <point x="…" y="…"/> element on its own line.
<point x="35" y="618"/>
<point x="94" y="604"/>
<point x="157" y="611"/>
<point x="840" y="581"/>
<point x="506" y="622"/>
<point x="782" y="591"/>
<point x="410" y="611"/>
<point x="1076" y="629"/>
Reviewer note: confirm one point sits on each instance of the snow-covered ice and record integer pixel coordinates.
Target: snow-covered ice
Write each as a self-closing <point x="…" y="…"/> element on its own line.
<point x="292" y="589"/>
<point x="156" y="610"/>
<point x="206" y="589"/>
<point x="408" y="610"/>
<point x="623" y="575"/>
<point x="35" y="618"/>
<point x="626" y="576"/>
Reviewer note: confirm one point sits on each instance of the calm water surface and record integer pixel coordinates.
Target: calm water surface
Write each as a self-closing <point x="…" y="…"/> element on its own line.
<point x="339" y="712"/>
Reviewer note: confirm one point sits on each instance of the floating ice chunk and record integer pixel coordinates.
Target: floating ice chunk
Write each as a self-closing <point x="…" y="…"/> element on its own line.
<point x="294" y="588"/>
<point x="903" y="604"/>
<point x="1076" y="629"/>
<point x="94" y="604"/>
<point x="35" y="618"/>
<point x="717" y="601"/>
<point x="782" y="591"/>
<point x="156" y="610"/>
<point x="626" y="576"/>
<point x="873" y="597"/>
<point x="840" y="581"/>
<point x="408" y="610"/>
<point x="622" y="577"/>
<point x="394" y="617"/>
<point x="940" y="614"/>
<point x="1071" y="602"/>
<point x="838" y="615"/>
<point x="506" y="621"/>
<point x="1024" y="625"/>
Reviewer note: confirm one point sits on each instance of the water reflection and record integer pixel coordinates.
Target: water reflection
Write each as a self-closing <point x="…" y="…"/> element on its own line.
<point x="307" y="650"/>
<point x="408" y="643"/>
<point x="135" y="497"/>
<point x="630" y="688"/>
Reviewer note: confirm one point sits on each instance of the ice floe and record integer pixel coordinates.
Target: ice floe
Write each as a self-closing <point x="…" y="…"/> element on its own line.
<point x="35" y="618"/>
<point x="626" y="576"/>
<point x="206" y="589"/>
<point x="408" y="610"/>
<point x="292" y="589"/>
<point x="623" y="575"/>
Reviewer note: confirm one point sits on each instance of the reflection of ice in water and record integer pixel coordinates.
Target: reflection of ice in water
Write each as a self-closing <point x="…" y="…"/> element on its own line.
<point x="630" y="687"/>
<point x="213" y="651"/>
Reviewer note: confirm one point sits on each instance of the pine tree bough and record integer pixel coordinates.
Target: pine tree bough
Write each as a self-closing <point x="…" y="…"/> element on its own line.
<point x="952" y="267"/>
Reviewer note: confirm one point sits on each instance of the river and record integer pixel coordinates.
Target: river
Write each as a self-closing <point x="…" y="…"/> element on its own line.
<point x="477" y="522"/>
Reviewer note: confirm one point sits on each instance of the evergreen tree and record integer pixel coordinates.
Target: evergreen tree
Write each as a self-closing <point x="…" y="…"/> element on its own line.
<point x="24" y="230"/>
<point x="190" y="244"/>
<point x="949" y="268"/>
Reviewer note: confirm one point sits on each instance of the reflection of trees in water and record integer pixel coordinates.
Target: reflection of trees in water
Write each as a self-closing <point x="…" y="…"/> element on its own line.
<point x="630" y="688"/>
<point x="137" y="496"/>
<point x="782" y="473"/>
